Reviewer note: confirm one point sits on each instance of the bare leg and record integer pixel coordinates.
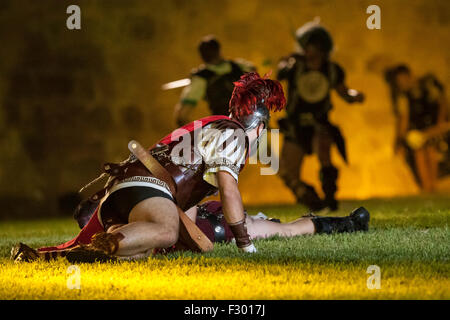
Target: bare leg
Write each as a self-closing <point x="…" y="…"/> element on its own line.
<point x="423" y="169"/>
<point x="138" y="256"/>
<point x="433" y="165"/>
<point x="192" y="213"/>
<point x="153" y="223"/>
<point x="259" y="228"/>
<point x="322" y="142"/>
<point x="290" y="164"/>
<point x="114" y="227"/>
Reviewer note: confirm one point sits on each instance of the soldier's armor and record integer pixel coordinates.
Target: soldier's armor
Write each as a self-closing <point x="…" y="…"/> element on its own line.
<point x="191" y="188"/>
<point x="219" y="87"/>
<point x="309" y="90"/>
<point x="309" y="101"/>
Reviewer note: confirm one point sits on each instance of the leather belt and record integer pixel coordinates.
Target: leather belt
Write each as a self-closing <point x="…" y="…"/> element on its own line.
<point x="152" y="165"/>
<point x="189" y="234"/>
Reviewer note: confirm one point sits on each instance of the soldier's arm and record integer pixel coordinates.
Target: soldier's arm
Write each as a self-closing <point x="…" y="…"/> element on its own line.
<point x="182" y="113"/>
<point x="437" y="89"/>
<point x="436" y="93"/>
<point x="190" y="97"/>
<point x="284" y="67"/>
<point x="349" y="95"/>
<point x="233" y="210"/>
<point x="443" y="109"/>
<point x="231" y="197"/>
<point x="223" y="154"/>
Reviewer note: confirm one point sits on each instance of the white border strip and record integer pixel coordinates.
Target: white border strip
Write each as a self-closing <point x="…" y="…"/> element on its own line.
<point x="138" y="184"/>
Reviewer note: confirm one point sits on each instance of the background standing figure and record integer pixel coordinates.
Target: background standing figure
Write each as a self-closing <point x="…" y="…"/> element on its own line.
<point x="212" y="81"/>
<point x="421" y="111"/>
<point x="311" y="76"/>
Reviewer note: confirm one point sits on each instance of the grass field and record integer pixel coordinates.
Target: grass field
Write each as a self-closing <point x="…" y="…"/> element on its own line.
<point x="409" y="241"/>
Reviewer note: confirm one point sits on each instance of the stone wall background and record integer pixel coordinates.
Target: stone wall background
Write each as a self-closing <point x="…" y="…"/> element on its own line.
<point x="71" y="100"/>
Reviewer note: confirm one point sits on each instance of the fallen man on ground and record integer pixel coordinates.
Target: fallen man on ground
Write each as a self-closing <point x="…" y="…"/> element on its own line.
<point x="209" y="217"/>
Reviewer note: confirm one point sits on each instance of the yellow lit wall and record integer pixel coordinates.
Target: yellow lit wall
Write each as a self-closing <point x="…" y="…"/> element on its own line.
<point x="126" y="50"/>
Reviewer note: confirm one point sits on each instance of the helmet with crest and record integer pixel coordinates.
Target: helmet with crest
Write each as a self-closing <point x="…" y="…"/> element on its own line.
<point x="253" y="98"/>
<point x="314" y="33"/>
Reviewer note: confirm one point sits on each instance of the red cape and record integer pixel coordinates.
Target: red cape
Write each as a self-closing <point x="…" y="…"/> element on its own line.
<point x="84" y="237"/>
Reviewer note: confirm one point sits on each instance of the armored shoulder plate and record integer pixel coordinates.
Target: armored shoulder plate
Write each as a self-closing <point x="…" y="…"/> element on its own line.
<point x="202" y="72"/>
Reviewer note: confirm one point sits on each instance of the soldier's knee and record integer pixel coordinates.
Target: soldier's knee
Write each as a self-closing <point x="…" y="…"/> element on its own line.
<point x="289" y="180"/>
<point x="169" y="232"/>
<point x="169" y="236"/>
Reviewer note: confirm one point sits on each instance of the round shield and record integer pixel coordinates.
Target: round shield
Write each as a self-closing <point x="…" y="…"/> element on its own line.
<point x="312" y="86"/>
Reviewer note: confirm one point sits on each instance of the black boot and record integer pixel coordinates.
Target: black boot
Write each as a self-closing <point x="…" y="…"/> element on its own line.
<point x="328" y="177"/>
<point x="358" y="220"/>
<point x="307" y="196"/>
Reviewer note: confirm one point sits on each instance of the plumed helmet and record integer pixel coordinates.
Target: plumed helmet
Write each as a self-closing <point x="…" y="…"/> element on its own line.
<point x="251" y="121"/>
<point x="253" y="98"/>
<point x="313" y="33"/>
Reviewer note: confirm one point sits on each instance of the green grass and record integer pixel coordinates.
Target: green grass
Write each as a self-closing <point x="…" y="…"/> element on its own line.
<point x="409" y="240"/>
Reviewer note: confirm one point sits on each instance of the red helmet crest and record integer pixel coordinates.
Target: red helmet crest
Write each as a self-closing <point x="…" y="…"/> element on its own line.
<point x="251" y="90"/>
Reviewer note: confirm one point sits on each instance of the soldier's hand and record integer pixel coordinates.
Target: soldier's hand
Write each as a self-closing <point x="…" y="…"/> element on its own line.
<point x="249" y="249"/>
<point x="359" y="97"/>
